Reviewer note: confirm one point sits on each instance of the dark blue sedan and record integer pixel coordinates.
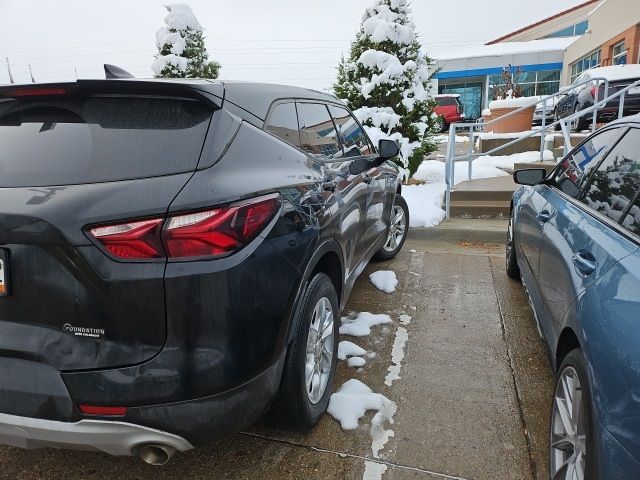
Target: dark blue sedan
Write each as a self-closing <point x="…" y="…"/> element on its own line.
<point x="574" y="240"/>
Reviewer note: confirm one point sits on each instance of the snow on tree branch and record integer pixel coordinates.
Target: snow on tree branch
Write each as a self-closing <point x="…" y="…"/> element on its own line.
<point x="385" y="81"/>
<point x="181" y="49"/>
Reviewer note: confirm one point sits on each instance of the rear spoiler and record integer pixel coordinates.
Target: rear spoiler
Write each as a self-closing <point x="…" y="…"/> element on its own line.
<point x="211" y="93"/>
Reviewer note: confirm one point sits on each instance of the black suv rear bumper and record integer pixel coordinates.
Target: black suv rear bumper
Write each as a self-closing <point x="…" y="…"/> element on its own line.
<point x="36" y="411"/>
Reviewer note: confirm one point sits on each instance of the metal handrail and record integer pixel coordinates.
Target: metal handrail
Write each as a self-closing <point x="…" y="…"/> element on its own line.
<point x="469" y="156"/>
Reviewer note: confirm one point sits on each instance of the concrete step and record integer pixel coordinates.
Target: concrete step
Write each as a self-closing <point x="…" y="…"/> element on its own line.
<point x="547" y="165"/>
<point x="481" y="195"/>
<point x="558" y="152"/>
<point x="480" y="209"/>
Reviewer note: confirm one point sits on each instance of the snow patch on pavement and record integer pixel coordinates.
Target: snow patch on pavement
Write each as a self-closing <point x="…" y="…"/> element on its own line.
<point x="352" y="353"/>
<point x="352" y="401"/>
<point x="397" y="355"/>
<point x="360" y="325"/>
<point x="373" y="470"/>
<point x="384" y="280"/>
<point x="509" y="161"/>
<point x="405" y="319"/>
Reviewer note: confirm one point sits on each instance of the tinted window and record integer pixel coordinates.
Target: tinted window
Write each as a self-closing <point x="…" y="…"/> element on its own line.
<point x="283" y="122"/>
<point x="446" y="101"/>
<point x="317" y="133"/>
<point x="616" y="181"/>
<point x="353" y="138"/>
<point x="98" y="139"/>
<point x="574" y="170"/>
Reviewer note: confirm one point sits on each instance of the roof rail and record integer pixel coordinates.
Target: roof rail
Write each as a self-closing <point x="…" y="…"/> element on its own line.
<point x="111" y="71"/>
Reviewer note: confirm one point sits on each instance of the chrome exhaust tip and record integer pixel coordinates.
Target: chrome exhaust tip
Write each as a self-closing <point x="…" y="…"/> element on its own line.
<point x="156" y="454"/>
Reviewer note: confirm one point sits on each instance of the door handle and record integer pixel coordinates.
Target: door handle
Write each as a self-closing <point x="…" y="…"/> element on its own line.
<point x="544" y="216"/>
<point x="366" y="178"/>
<point x="584" y="262"/>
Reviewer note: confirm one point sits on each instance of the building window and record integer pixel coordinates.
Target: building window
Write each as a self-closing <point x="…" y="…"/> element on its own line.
<point x="619" y="54"/>
<point x="585" y="63"/>
<point x="543" y="82"/>
<point x="577" y="29"/>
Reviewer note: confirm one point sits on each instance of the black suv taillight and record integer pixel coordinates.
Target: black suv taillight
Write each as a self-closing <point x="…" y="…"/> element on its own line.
<point x="215" y="232"/>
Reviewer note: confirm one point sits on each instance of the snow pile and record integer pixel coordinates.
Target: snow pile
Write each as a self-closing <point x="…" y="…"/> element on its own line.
<point x="350" y="403"/>
<point x="384" y="280"/>
<point x="514" y="102"/>
<point x="352" y="353"/>
<point x="509" y="161"/>
<point x="181" y="17"/>
<point x="425" y="202"/>
<point x="361" y="324"/>
<point x="443" y="138"/>
<point x="433" y="171"/>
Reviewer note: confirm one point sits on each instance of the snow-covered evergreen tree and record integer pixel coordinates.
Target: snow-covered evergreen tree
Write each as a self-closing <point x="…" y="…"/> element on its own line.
<point x="181" y="49"/>
<point x="385" y="81"/>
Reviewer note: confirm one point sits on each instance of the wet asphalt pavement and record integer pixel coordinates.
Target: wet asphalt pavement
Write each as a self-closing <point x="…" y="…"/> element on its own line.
<point x="473" y="395"/>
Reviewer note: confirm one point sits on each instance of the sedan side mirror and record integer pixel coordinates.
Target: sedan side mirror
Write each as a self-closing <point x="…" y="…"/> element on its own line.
<point x="387" y="149"/>
<point x="529" y="176"/>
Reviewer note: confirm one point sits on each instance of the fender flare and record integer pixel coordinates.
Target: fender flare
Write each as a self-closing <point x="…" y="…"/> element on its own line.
<point x="328" y="246"/>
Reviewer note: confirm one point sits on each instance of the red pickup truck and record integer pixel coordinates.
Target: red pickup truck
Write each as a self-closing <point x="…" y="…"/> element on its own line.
<point x="449" y="109"/>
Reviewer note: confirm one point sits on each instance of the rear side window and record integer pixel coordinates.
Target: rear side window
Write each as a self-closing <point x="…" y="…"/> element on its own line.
<point x="446" y="102"/>
<point x="352" y="136"/>
<point x="98" y="139"/>
<point x="317" y="132"/>
<point x="615" y="183"/>
<point x="283" y="123"/>
<point x="574" y="170"/>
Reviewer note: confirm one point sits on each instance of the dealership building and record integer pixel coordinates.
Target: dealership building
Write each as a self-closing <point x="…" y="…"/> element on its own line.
<point x="547" y="54"/>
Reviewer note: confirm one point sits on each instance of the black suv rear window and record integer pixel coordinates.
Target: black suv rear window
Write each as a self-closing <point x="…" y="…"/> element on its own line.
<point x="70" y="141"/>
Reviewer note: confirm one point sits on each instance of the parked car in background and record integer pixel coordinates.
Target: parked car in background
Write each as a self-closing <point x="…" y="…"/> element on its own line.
<point x="574" y="240"/>
<point x="582" y="96"/>
<point x="175" y="255"/>
<point x="450" y="110"/>
<point x="540" y="112"/>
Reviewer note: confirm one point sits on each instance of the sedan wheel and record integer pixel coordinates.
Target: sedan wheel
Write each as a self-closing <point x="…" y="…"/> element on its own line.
<point x="568" y="428"/>
<point x="397" y="234"/>
<point x="320" y="343"/>
<point x="397" y="229"/>
<point x="511" y="260"/>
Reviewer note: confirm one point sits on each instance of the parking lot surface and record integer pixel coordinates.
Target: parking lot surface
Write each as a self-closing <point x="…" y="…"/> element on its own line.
<point x="473" y="392"/>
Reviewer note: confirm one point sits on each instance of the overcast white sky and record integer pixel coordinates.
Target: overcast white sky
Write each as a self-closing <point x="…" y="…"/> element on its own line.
<point x="286" y="41"/>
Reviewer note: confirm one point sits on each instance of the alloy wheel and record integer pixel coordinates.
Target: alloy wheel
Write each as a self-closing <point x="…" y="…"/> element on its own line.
<point x="568" y="429"/>
<point x="319" y="357"/>
<point x="397" y="229"/>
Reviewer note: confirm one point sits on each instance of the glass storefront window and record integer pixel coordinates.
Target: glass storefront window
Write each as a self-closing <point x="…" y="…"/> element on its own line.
<point x="549" y="76"/>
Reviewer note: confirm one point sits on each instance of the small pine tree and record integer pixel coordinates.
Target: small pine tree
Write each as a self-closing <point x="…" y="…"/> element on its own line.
<point x="385" y="81"/>
<point x="181" y="49"/>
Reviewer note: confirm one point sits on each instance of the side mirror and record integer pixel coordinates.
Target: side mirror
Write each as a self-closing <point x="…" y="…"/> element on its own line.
<point x="529" y="176"/>
<point x="387" y="149"/>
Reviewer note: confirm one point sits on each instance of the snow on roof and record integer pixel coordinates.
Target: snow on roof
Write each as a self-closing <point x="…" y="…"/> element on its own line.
<point x="616" y="72"/>
<point x="511" y="48"/>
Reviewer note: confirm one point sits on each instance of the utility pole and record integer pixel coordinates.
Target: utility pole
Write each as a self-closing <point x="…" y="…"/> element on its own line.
<point x="9" y="69"/>
<point x="31" y="73"/>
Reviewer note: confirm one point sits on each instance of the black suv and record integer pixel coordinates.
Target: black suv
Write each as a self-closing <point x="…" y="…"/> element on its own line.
<point x="174" y="257"/>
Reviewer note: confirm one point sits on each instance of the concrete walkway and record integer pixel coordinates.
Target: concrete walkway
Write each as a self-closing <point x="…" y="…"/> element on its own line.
<point x="472" y="397"/>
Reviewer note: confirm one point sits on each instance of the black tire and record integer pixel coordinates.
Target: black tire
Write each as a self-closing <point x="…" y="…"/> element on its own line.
<point x="388" y="251"/>
<point x="443" y="127"/>
<point x="512" y="260"/>
<point x="575" y="362"/>
<point x="580" y="123"/>
<point x="292" y="406"/>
